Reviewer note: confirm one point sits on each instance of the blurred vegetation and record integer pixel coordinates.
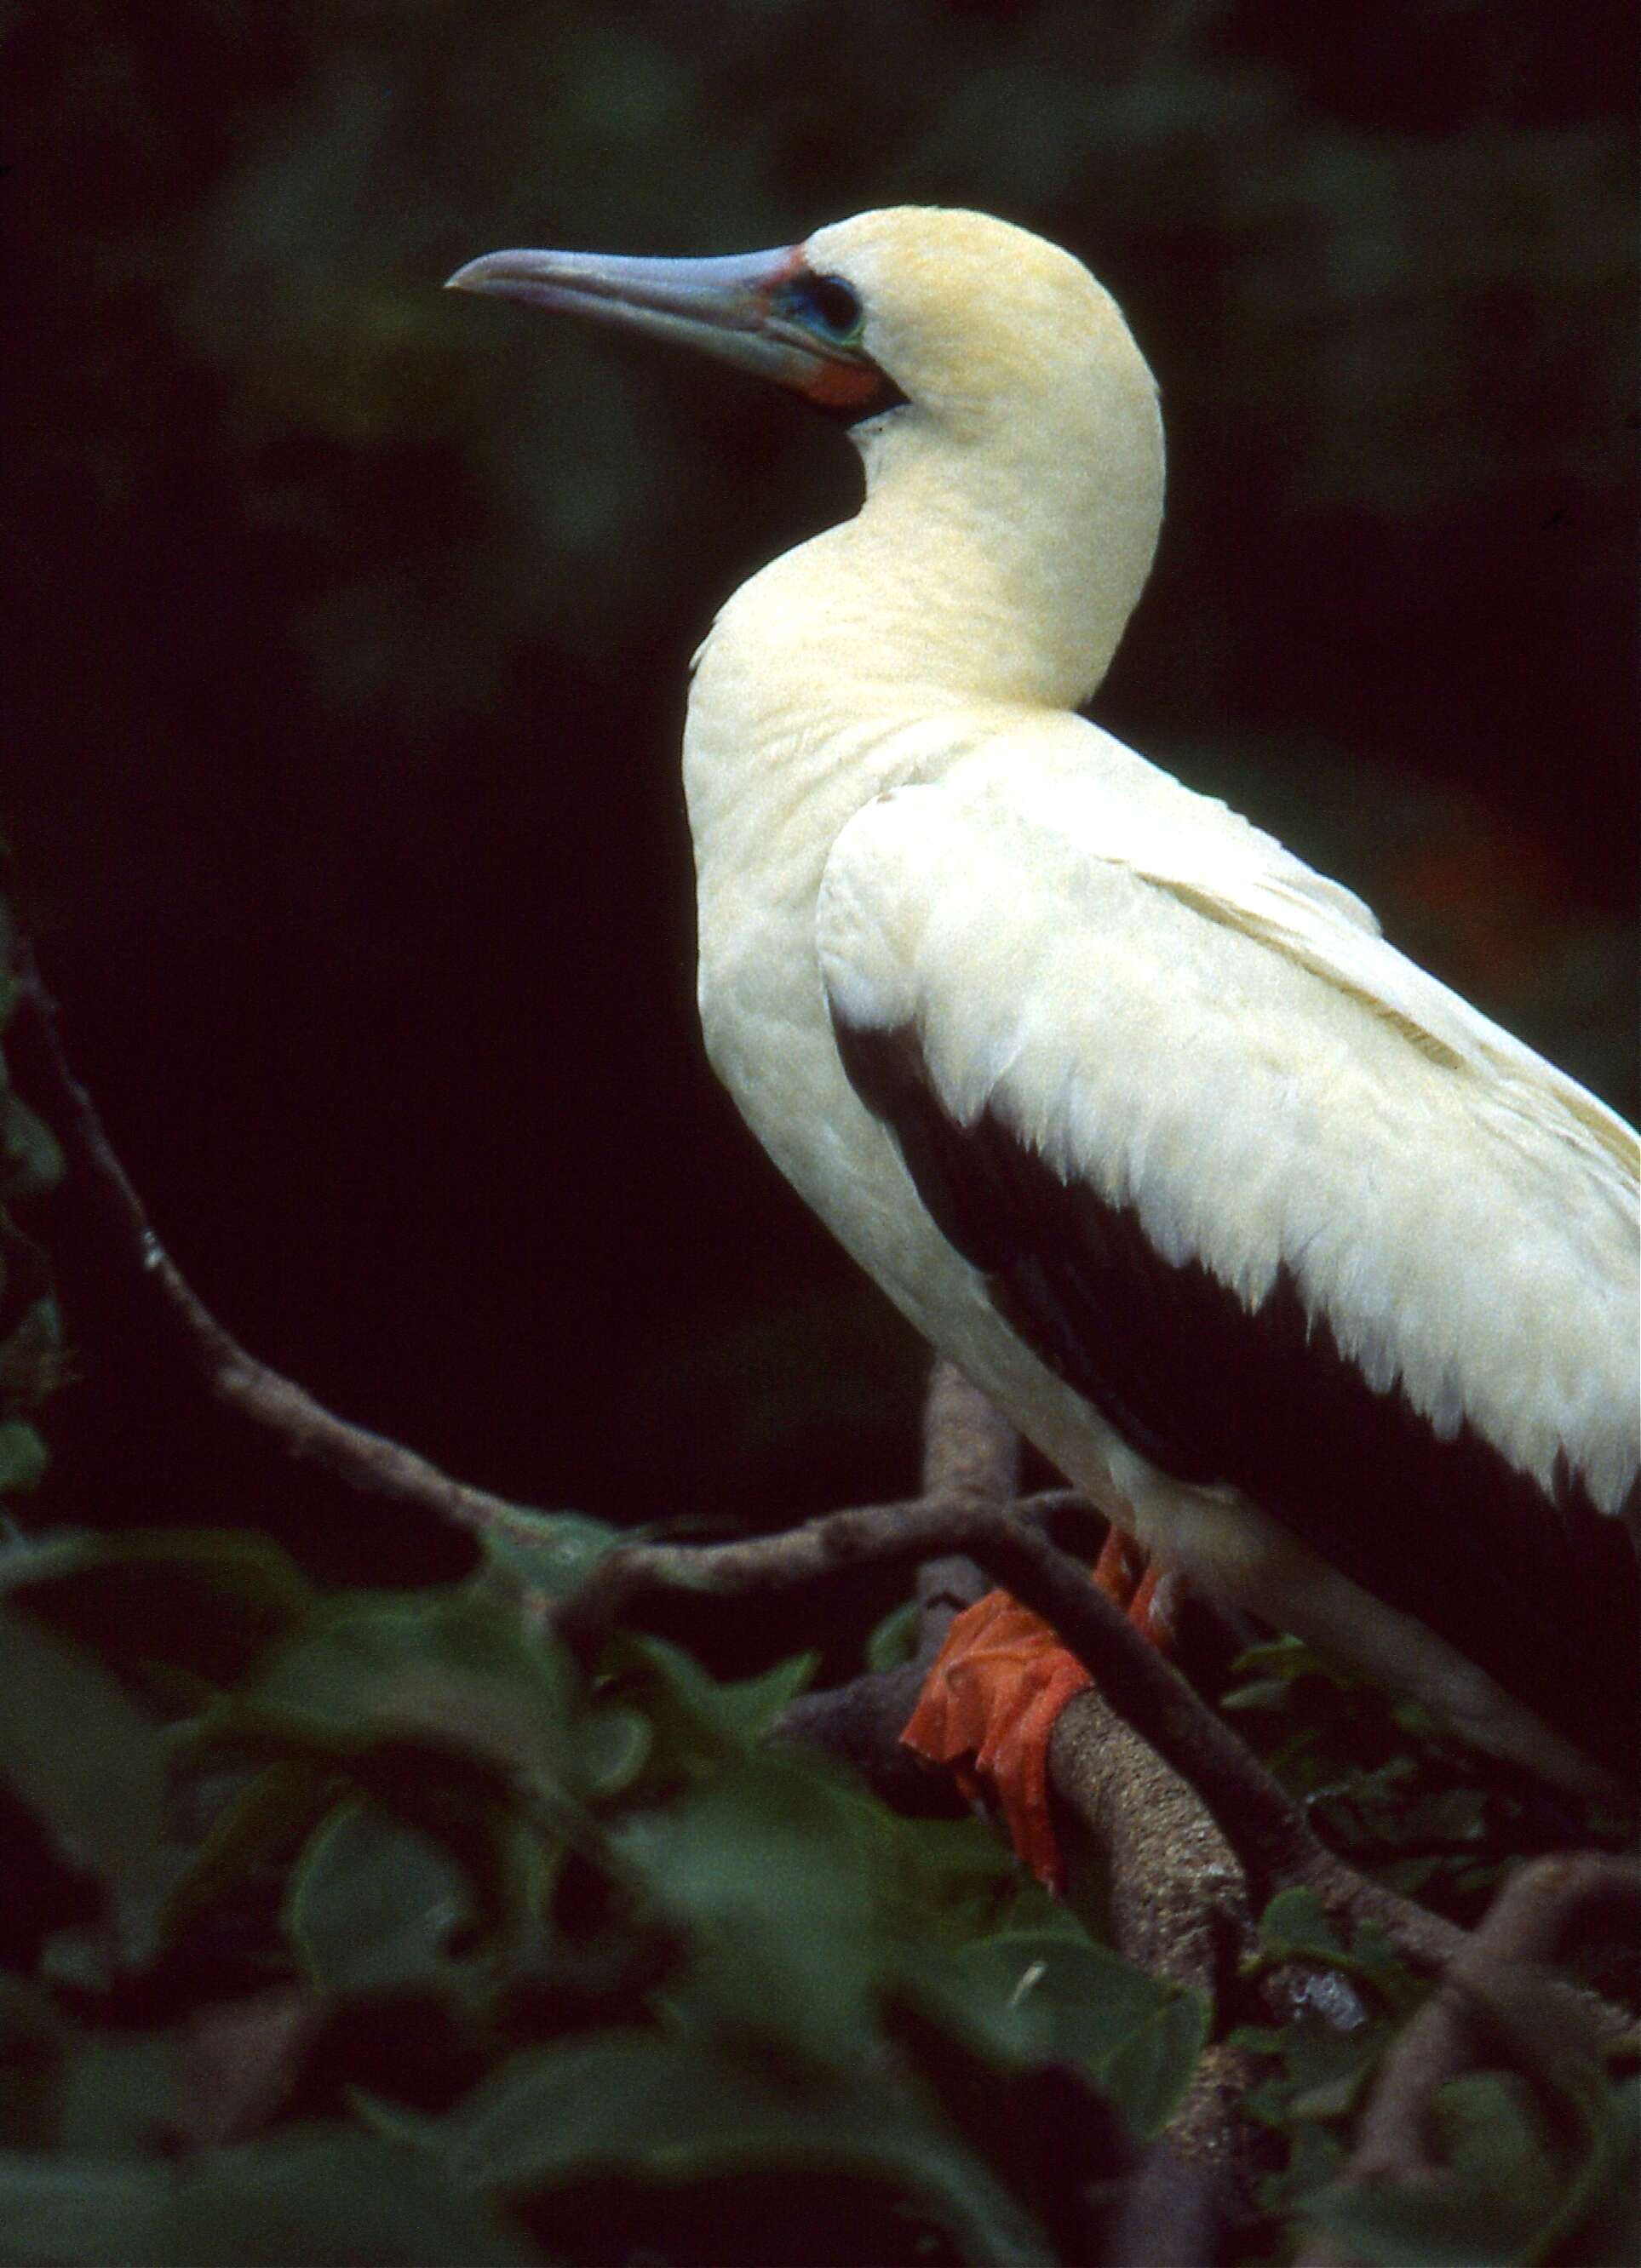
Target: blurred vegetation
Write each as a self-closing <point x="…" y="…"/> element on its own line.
<point x="348" y="623"/>
<point x="32" y="1365"/>
<point x="407" y="1942"/>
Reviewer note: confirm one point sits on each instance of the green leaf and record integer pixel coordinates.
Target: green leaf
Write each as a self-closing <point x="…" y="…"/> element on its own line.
<point x="626" y="2101"/>
<point x="894" y="1641"/>
<point x="445" y="1713"/>
<point x="1603" y="2214"/>
<point x="273" y="1810"/>
<point x="550" y="1553"/>
<point x="1496" y="2195"/>
<point x="60" y="2208"/>
<point x="948" y="1880"/>
<point x="32" y="1361"/>
<point x="1491" y="2140"/>
<point x="120" y="2094"/>
<point x="701" y="1720"/>
<point x="1042" y="1997"/>
<point x="1322" y="2073"/>
<point x="78" y="1752"/>
<point x="1323" y="2066"/>
<point x="765" y="1867"/>
<point x="372" y="1905"/>
<point x="207" y="1601"/>
<point x="1259" y="1693"/>
<point x="23" y="1458"/>
<point x="1295" y="1926"/>
<point x="1283" y="1660"/>
<point x="1316" y="2155"/>
<point x="328" y="2197"/>
<point x="30" y="1157"/>
<point x="613" y="1745"/>
<point x="452" y="1668"/>
<point x="613" y="2101"/>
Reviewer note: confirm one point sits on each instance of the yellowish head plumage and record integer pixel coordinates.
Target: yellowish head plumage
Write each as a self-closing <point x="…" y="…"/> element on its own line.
<point x="976" y="320"/>
<point x="1025" y="467"/>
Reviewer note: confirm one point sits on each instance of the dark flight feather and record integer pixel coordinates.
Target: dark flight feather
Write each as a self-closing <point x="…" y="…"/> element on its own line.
<point x="1539" y="1588"/>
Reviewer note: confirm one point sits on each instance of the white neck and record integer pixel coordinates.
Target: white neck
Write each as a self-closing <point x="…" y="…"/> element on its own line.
<point x="975" y="579"/>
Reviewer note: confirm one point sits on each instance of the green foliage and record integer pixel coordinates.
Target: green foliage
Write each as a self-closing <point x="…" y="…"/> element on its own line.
<point x="1536" y="2159"/>
<point x="330" y="2198"/>
<point x="548" y="1553"/>
<point x="1511" y="2189"/>
<point x="404" y="1939"/>
<point x="1404" y="1799"/>
<point x="1323" y="2062"/>
<point x="184" y="1612"/>
<point x="465" y="1938"/>
<point x="31" y="1165"/>
<point x="372" y="1904"/>
<point x="22" y="1458"/>
<point x="78" y="1752"/>
<point x="1054" y="1997"/>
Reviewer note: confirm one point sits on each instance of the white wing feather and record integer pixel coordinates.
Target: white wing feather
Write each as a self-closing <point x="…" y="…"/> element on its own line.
<point x="1171" y="1007"/>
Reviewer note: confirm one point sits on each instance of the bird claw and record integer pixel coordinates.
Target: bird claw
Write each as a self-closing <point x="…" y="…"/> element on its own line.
<point x="987" y="1709"/>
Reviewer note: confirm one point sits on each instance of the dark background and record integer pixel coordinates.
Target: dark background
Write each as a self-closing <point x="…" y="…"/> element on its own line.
<point x="345" y="625"/>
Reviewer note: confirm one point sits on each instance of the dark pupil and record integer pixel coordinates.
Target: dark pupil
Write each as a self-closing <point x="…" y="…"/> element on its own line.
<point x="834" y="302"/>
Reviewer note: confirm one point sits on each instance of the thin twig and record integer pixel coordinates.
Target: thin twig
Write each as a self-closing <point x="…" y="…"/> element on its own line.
<point x="300" y="1427"/>
<point x="1495" y="1998"/>
<point x="1547" y="1915"/>
<point x="969" y="1449"/>
<point x="971" y="1454"/>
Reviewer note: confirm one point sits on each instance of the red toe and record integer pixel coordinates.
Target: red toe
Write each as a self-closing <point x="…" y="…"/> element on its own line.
<point x="995" y="1694"/>
<point x="1120" y="1569"/>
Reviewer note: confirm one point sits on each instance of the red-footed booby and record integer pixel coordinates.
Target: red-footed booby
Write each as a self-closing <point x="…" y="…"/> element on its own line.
<point x="1322" y="1285"/>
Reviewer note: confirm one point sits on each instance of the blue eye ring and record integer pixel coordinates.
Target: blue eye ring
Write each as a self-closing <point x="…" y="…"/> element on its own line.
<point x="828" y="304"/>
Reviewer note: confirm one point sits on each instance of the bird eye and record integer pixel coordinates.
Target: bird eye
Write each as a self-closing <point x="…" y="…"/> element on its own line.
<point x="828" y="301"/>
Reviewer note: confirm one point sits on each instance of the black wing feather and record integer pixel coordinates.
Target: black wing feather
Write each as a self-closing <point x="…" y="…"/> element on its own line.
<point x="1541" y="1589"/>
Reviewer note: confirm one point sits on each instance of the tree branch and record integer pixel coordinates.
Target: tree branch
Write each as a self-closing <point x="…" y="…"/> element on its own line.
<point x="1494" y="2000"/>
<point x="971" y="1454"/>
<point x="299" y="1426"/>
<point x="1546" y="1916"/>
<point x="1272" y="1842"/>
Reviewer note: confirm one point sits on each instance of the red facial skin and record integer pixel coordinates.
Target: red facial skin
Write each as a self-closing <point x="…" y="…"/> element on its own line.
<point x="835" y="385"/>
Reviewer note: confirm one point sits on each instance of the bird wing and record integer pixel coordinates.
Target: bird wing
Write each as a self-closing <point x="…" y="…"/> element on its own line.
<point x="1289" y="1213"/>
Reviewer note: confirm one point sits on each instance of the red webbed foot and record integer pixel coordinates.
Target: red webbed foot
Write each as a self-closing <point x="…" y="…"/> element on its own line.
<point x="995" y="1692"/>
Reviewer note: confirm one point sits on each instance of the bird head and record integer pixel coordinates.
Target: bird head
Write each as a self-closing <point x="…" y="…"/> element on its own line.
<point x="966" y="320"/>
<point x="986" y="377"/>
